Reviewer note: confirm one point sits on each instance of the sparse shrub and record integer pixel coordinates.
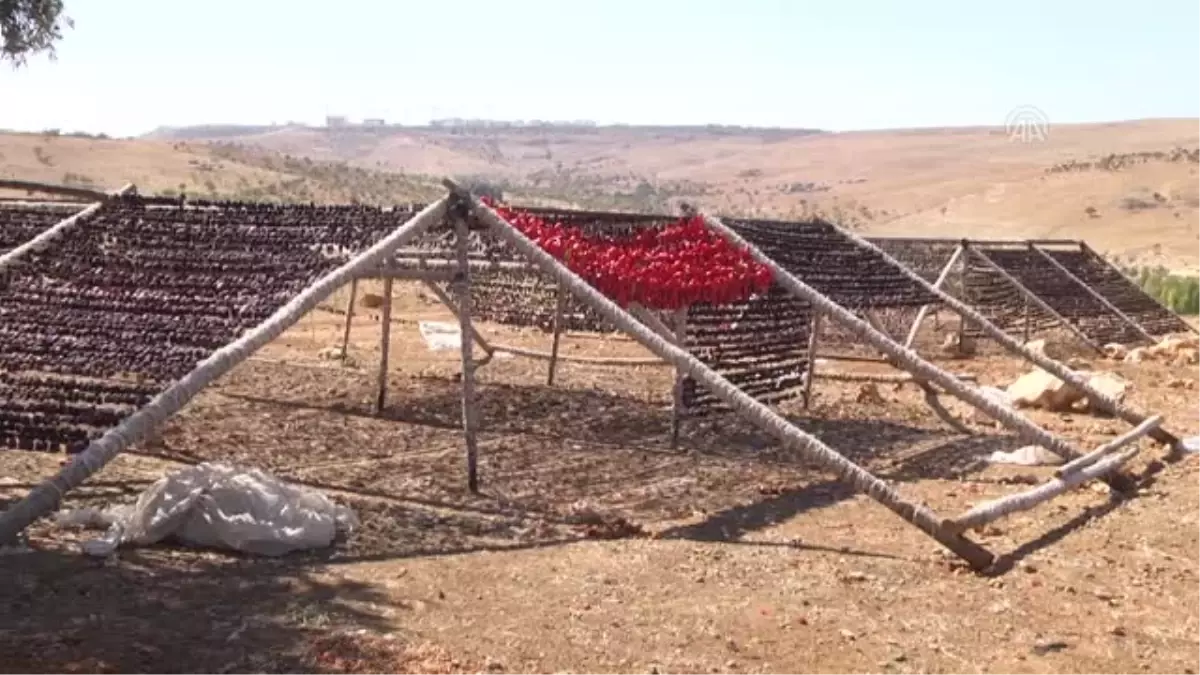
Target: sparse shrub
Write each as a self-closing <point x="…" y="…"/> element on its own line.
<point x="1179" y="293"/>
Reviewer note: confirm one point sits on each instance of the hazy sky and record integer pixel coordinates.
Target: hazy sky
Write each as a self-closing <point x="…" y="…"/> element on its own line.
<point x="131" y="65"/>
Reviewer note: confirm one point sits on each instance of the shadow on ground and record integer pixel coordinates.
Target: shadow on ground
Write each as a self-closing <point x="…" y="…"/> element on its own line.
<point x="163" y="610"/>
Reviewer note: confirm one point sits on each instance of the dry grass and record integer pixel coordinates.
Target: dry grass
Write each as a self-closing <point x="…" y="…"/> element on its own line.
<point x="748" y="559"/>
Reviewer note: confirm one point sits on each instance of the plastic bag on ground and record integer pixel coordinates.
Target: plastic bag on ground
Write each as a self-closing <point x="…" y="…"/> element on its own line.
<point x="220" y="506"/>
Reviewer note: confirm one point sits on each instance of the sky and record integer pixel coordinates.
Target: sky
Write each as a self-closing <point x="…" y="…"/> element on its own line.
<point x="129" y="66"/>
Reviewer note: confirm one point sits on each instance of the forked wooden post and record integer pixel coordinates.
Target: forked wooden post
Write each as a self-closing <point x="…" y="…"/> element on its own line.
<point x="560" y="306"/>
<point x="941" y="280"/>
<point x="1083" y="246"/>
<point x="349" y="319"/>
<point x="385" y="343"/>
<point x="678" y="411"/>
<point x="469" y="402"/>
<point x="1092" y="292"/>
<point x="814" y="332"/>
<point x="1032" y="297"/>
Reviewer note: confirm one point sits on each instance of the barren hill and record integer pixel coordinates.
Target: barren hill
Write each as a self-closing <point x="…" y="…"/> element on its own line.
<point x="953" y="182"/>
<point x="1130" y="188"/>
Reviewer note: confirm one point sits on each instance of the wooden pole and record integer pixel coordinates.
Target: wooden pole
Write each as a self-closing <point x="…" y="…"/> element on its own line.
<point x="385" y="343"/>
<point x="941" y="280"/>
<point x="678" y="412"/>
<point x="1032" y="297"/>
<point x="1026" y="325"/>
<point x="1104" y="261"/>
<point x="962" y="289"/>
<point x="813" y="331"/>
<point x="469" y="412"/>
<point x="349" y="318"/>
<point x="1092" y="292"/>
<point x="560" y="302"/>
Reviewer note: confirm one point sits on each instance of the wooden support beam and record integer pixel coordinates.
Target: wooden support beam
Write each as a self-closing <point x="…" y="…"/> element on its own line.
<point x="349" y="318"/>
<point x="560" y="306"/>
<point x="590" y="360"/>
<point x="998" y="508"/>
<point x="941" y="280"/>
<point x="880" y="378"/>
<point x="53" y="189"/>
<point x="385" y="342"/>
<point x="1110" y="447"/>
<point x="1032" y="297"/>
<point x="814" y="332"/>
<point x="1092" y="292"/>
<point x="678" y="412"/>
<point x="408" y="264"/>
<point x="469" y="402"/>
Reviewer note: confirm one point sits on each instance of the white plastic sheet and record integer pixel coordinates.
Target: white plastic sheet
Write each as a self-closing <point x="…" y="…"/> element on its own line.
<point x="439" y="335"/>
<point x="220" y="506"/>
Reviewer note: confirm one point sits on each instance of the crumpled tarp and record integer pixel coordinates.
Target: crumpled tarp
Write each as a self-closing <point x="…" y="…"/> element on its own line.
<point x="216" y="505"/>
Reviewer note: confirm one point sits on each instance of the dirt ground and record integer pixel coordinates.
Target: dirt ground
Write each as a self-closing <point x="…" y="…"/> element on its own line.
<point x="595" y="547"/>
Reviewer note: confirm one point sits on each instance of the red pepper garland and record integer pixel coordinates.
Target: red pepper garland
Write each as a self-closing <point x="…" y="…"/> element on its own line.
<point x="671" y="267"/>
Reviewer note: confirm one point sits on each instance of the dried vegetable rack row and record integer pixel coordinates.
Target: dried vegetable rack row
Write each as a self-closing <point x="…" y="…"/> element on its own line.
<point x="1000" y="302"/>
<point x="141" y="291"/>
<point x="20" y="223"/>
<point x="761" y="345"/>
<point x="822" y="257"/>
<point x="1088" y="267"/>
<point x="1063" y="295"/>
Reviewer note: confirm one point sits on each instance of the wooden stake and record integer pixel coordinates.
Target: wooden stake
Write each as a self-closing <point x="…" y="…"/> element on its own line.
<point x="469" y="413"/>
<point x="385" y="342"/>
<point x="349" y="318"/>
<point x="560" y="306"/>
<point x="813" y="331"/>
<point x="941" y="280"/>
<point x="1092" y="292"/>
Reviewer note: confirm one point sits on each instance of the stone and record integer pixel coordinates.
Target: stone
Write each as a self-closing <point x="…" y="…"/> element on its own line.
<point x="1110" y="384"/>
<point x="371" y="301"/>
<point x="1040" y="389"/>
<point x="1115" y="351"/>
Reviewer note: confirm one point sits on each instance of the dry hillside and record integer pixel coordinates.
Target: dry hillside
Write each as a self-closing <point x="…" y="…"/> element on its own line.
<point x="930" y="182"/>
<point x="1126" y="187"/>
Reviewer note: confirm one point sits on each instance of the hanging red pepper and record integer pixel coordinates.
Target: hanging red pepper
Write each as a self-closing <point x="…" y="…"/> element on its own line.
<point x="669" y="267"/>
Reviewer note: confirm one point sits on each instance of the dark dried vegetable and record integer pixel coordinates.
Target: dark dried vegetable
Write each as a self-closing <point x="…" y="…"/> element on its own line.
<point x="20" y="223"/>
<point x="135" y="296"/>
<point x="818" y="254"/>
<point x="1063" y="295"/>
<point x="1120" y="291"/>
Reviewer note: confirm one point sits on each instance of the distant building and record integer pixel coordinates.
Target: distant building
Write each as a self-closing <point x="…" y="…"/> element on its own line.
<point x="374" y="122"/>
<point x="336" y="121"/>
